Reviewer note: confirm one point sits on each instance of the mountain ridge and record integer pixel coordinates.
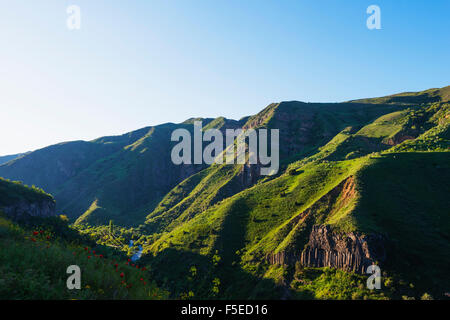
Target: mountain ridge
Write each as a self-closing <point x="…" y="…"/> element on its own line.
<point x="304" y="128"/>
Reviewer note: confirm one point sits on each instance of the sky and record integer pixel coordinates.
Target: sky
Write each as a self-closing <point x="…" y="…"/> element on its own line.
<point x="138" y="63"/>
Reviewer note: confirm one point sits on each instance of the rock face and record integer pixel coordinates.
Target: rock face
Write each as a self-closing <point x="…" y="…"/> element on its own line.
<point x="350" y="252"/>
<point x="399" y="138"/>
<point x="44" y="208"/>
<point x="284" y="257"/>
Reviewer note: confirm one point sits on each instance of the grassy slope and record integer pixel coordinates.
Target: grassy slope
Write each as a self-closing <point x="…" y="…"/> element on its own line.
<point x="35" y="253"/>
<point x="427" y="96"/>
<point x="34" y="267"/>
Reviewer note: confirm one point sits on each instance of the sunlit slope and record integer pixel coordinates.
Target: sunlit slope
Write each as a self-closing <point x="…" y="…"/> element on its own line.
<point x="304" y="127"/>
<point x="426" y="96"/>
<point x="259" y="211"/>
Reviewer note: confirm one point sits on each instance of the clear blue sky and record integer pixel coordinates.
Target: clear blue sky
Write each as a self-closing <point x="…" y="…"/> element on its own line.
<point x="139" y="63"/>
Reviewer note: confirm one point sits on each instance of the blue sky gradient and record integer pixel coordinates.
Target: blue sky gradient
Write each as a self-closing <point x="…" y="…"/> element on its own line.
<point x="139" y="63"/>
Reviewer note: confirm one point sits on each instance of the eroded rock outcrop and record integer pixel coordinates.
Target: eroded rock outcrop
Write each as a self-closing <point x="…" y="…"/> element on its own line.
<point x="350" y="251"/>
<point x="399" y="138"/>
<point x="43" y="208"/>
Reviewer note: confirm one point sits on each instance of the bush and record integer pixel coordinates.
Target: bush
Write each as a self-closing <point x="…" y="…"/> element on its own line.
<point x="426" y="296"/>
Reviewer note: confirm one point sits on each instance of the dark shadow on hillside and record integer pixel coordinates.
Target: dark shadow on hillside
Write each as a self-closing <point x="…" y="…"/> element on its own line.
<point x="171" y="271"/>
<point x="405" y="197"/>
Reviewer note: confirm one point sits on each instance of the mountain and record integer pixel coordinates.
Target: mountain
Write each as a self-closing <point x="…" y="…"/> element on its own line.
<point x="361" y="182"/>
<point x="375" y="193"/>
<point x="124" y="175"/>
<point x="5" y="159"/>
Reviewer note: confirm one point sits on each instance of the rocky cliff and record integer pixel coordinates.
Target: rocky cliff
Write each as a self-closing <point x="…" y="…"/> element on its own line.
<point x="43" y="208"/>
<point x="350" y="252"/>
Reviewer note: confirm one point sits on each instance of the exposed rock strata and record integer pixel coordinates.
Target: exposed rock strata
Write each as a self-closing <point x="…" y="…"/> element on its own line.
<point x="350" y="252"/>
<point x="43" y="208"/>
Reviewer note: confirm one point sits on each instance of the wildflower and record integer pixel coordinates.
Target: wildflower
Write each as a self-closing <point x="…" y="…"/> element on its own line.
<point x="121" y="275"/>
<point x="100" y="256"/>
<point x="33" y="239"/>
<point x="93" y="251"/>
<point x="142" y="279"/>
<point x="116" y="265"/>
<point x="89" y="257"/>
<point x="48" y="237"/>
<point x="35" y="233"/>
<point x="128" y="260"/>
<point x="86" y="249"/>
<point x="41" y="232"/>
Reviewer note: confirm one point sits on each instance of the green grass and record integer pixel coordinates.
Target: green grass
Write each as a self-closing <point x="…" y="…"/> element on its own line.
<point x="33" y="264"/>
<point x="327" y="283"/>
